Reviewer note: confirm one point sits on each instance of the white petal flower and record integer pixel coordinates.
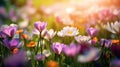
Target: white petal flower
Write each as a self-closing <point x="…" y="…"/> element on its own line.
<point x="50" y="34"/>
<point x="91" y="55"/>
<point x="46" y="53"/>
<point x="82" y="39"/>
<point x="35" y="31"/>
<point x="68" y="31"/>
<point x="113" y="27"/>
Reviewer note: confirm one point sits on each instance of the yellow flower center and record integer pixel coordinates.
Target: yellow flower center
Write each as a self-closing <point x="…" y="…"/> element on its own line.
<point x="70" y="32"/>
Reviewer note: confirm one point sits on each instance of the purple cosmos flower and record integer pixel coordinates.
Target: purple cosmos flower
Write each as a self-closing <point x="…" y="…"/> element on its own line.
<point x="57" y="47"/>
<point x="105" y="43"/>
<point x="15" y="60"/>
<point x="11" y="44"/>
<point x="115" y="50"/>
<point x="71" y="50"/>
<point x="92" y="31"/>
<point x="9" y="30"/>
<point x="40" y="57"/>
<point x="40" y="25"/>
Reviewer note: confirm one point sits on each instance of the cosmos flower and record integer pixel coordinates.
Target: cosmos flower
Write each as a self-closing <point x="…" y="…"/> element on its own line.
<point x="92" y="31"/>
<point x="68" y="31"/>
<point x="40" y="57"/>
<point x="113" y="27"/>
<point x="82" y="39"/>
<point x="71" y="50"/>
<point x="57" y="47"/>
<point x="9" y="31"/>
<point x="92" y="54"/>
<point x="40" y="26"/>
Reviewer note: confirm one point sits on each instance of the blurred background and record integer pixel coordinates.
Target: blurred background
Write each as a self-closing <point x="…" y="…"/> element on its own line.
<point x="59" y="13"/>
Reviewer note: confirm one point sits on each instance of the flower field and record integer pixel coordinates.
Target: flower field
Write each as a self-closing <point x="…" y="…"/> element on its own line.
<point x="59" y="33"/>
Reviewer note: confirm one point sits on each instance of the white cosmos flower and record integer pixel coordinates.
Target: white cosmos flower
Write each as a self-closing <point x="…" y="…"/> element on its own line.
<point x="82" y="39"/>
<point x="68" y="31"/>
<point x="113" y="27"/>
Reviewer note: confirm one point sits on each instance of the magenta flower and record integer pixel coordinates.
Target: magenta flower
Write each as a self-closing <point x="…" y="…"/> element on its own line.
<point x="71" y="50"/>
<point x="40" y="57"/>
<point x="40" y="25"/>
<point x="57" y="47"/>
<point x="9" y="30"/>
<point x="11" y="44"/>
<point x="92" y="31"/>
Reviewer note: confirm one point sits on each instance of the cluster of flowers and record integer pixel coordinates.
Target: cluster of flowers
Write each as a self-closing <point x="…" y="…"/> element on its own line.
<point x="25" y="48"/>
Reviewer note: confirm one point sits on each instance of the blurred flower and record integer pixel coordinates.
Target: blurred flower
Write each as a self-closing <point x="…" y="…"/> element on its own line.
<point x="9" y="30"/>
<point x="105" y="14"/>
<point x="60" y="34"/>
<point x="46" y="53"/>
<point x="31" y="44"/>
<point x="15" y="60"/>
<point x="2" y="11"/>
<point x="50" y="34"/>
<point x="36" y="32"/>
<point x="92" y="31"/>
<point x="2" y="35"/>
<point x="115" y="63"/>
<point x="40" y="57"/>
<point x="115" y="50"/>
<point x="15" y="50"/>
<point x="71" y="50"/>
<point x="52" y="64"/>
<point x="23" y="24"/>
<point x="82" y="39"/>
<point x="40" y="26"/>
<point x="68" y="31"/>
<point x="113" y="27"/>
<point x="106" y="43"/>
<point x="11" y="44"/>
<point x="19" y="31"/>
<point x="57" y="47"/>
<point x="92" y="54"/>
<point x="115" y="41"/>
<point x="24" y="36"/>
<point x="95" y="39"/>
<point x="12" y="15"/>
